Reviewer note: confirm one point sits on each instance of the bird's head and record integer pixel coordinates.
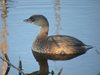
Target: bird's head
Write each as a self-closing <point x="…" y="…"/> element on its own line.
<point x="39" y="20"/>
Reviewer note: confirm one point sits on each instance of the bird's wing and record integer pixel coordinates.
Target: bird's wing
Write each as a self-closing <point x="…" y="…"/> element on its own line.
<point x="63" y="39"/>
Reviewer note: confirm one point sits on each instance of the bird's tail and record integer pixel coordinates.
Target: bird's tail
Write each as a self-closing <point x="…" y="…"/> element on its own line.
<point x="88" y="47"/>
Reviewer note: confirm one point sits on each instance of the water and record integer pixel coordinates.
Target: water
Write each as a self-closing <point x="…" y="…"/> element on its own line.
<point x="79" y="18"/>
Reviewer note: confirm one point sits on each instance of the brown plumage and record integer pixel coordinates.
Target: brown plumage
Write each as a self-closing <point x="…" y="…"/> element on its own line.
<point x="55" y="47"/>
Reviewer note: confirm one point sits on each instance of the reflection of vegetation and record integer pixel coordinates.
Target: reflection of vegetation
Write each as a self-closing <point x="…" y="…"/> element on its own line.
<point x="20" y="66"/>
<point x="60" y="71"/>
<point x="4" y="9"/>
<point x="4" y="30"/>
<point x="9" y="65"/>
<point x="57" y="8"/>
<point x="98" y="52"/>
<point x="98" y="73"/>
<point x="52" y="72"/>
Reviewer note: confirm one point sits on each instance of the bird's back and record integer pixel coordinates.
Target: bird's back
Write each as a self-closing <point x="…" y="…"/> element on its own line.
<point x="64" y="44"/>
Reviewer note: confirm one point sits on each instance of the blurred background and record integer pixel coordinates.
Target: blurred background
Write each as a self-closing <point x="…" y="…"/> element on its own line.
<point x="77" y="18"/>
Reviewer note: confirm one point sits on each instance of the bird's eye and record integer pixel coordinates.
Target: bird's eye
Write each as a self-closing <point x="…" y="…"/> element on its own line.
<point x="33" y="19"/>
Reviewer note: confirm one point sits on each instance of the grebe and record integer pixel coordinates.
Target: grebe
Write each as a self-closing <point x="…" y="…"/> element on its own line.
<point x="55" y="47"/>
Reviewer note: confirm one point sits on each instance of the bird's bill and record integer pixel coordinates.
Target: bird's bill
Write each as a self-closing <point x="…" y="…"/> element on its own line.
<point x="28" y="20"/>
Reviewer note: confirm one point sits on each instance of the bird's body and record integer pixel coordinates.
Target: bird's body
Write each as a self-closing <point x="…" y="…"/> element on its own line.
<point x="55" y="47"/>
<point x="59" y="47"/>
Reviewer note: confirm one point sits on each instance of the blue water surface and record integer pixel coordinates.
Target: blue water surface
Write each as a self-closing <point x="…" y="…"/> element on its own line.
<point x="79" y="18"/>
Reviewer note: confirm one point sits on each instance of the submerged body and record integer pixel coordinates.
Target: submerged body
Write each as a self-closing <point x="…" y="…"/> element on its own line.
<point x="55" y="47"/>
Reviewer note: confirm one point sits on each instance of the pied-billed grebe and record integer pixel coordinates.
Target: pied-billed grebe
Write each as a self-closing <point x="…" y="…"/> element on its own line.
<point x="56" y="47"/>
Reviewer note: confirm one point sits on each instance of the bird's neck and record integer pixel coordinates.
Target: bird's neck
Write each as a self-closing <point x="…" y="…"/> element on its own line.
<point x="43" y="33"/>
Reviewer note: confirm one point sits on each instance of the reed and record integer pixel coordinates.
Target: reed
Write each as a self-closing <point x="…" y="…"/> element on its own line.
<point x="57" y="12"/>
<point x="3" y="34"/>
